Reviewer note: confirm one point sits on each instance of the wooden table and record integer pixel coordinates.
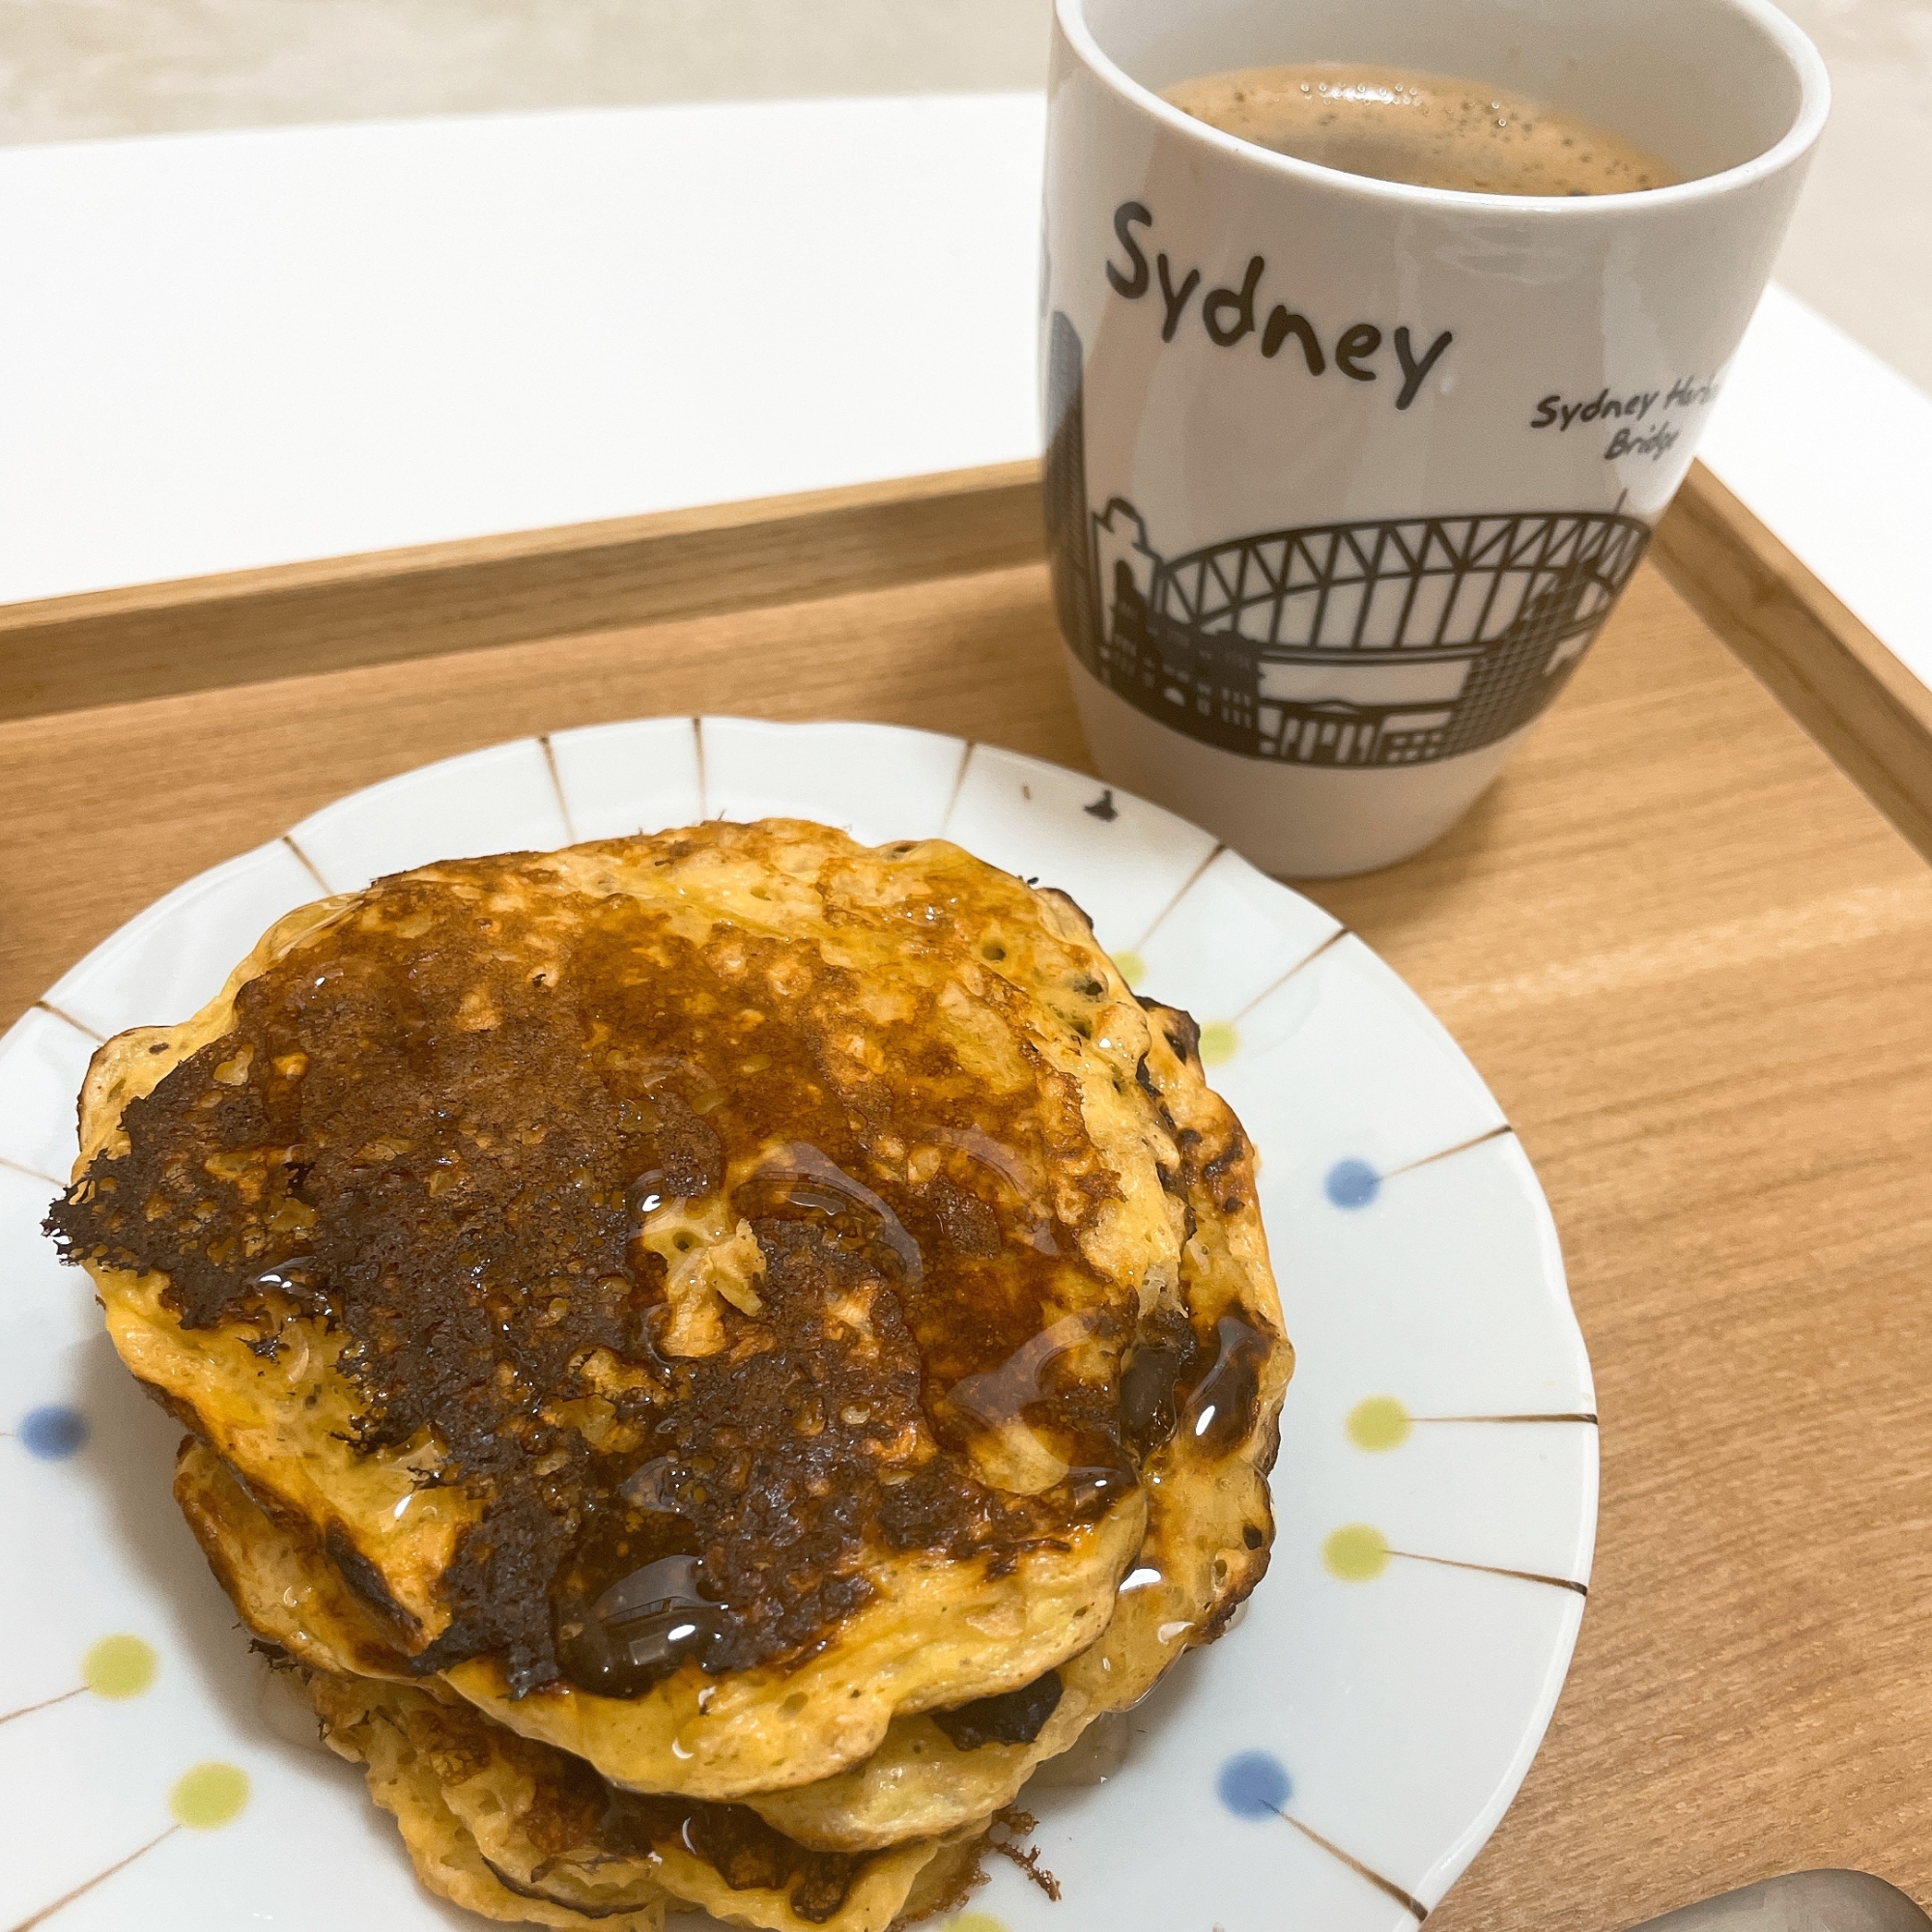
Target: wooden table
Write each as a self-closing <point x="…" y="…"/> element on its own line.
<point x="1694" y="965"/>
<point x="1691" y="958"/>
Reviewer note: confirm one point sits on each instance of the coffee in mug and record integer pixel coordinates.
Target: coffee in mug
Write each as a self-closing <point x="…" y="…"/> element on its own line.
<point x="1344" y="472"/>
<point x="1429" y="130"/>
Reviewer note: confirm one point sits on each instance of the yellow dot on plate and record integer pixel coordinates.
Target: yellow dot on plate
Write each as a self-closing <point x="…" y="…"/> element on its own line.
<point x="1357" y="1552"/>
<point x="209" y="1795"/>
<point x="1379" y="1423"/>
<point x="1218" y="1043"/>
<point x="119" y="1666"/>
<point x="1133" y="968"/>
<point x="977" y="1921"/>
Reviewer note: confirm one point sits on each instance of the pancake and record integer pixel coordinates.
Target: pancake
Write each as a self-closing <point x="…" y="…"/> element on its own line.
<point x="686" y="1286"/>
<point x="523" y="1831"/>
<point x="1206" y="1443"/>
<point x="1203" y="1413"/>
<point x="287" y="1591"/>
<point x="485" y="1811"/>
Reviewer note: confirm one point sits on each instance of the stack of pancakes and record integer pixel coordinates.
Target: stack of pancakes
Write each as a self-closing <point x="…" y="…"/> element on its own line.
<point x="715" y="1353"/>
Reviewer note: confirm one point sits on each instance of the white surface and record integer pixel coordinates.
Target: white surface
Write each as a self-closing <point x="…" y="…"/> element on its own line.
<point x="87" y="68"/>
<point x="1833" y="449"/>
<point x="1403" y="1709"/>
<point x="876" y="781"/>
<point x="237" y="349"/>
<point x="248" y="348"/>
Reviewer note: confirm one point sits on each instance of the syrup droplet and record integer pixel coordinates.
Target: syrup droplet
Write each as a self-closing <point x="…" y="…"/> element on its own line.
<point x="650" y="1486"/>
<point x="1221" y="1411"/>
<point x="819" y="1186"/>
<point x="999" y="1395"/>
<point x="632" y="1608"/>
<point x="1095" y="1488"/>
<point x="1148" y="1385"/>
<point x="644" y="1196"/>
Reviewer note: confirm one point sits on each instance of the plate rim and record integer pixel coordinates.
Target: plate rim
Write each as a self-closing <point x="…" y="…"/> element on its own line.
<point x="1453" y="1858"/>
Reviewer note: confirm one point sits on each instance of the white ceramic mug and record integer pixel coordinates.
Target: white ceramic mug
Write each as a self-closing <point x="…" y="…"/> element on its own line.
<point x="1343" y="476"/>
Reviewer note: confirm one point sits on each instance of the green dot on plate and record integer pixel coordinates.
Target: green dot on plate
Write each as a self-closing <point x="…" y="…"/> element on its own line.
<point x="1133" y="970"/>
<point x="1357" y="1552"/>
<point x="209" y="1795"/>
<point x="1219" y="1043"/>
<point x="1379" y="1423"/>
<point x="119" y="1666"/>
<point x="977" y="1921"/>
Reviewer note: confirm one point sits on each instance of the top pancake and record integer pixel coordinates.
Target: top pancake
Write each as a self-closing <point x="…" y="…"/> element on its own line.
<point x="682" y="1282"/>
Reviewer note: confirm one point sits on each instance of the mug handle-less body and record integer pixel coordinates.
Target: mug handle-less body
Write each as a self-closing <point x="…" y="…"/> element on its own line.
<point x="1345" y="474"/>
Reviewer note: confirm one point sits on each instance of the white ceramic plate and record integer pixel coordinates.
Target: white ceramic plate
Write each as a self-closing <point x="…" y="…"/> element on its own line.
<point x="1333" y="1762"/>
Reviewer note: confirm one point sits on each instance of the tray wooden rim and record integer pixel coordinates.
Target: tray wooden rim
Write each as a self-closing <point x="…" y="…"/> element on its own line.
<point x="1687" y="958"/>
<point x="1856" y="700"/>
<point x="383" y="607"/>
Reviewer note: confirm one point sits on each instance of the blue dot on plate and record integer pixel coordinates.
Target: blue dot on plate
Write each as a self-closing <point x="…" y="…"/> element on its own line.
<point x="1353" y="1183"/>
<point x="52" y="1432"/>
<point x="1255" y="1785"/>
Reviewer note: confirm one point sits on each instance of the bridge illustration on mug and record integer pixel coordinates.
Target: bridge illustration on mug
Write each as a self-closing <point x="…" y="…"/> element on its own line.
<point x="1384" y="643"/>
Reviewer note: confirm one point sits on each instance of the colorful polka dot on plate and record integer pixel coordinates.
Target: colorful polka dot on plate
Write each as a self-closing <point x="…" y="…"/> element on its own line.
<point x="1357" y="1552"/>
<point x="119" y="1666"/>
<point x="52" y="1432"/>
<point x="1254" y="1784"/>
<point x="1379" y="1422"/>
<point x="1219" y="1043"/>
<point x="1352" y="1184"/>
<point x="209" y="1795"/>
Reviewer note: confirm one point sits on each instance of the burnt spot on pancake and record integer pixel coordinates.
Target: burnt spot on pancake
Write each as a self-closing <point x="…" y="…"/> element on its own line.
<point x="969" y="1225"/>
<point x="1163" y="1355"/>
<point x="730" y="1534"/>
<point x="363" y="1577"/>
<point x="497" y="1586"/>
<point x="1232" y="1150"/>
<point x="691" y="1154"/>
<point x="570" y="1815"/>
<point x="1182" y="1029"/>
<point x="1013" y="1717"/>
<point x="574" y="1190"/>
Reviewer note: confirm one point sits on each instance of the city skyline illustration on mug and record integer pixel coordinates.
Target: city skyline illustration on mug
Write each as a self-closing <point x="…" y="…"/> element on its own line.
<point x="1373" y="643"/>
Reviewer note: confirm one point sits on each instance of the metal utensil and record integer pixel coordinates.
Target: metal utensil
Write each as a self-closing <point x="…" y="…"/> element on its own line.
<point x="1813" y="1901"/>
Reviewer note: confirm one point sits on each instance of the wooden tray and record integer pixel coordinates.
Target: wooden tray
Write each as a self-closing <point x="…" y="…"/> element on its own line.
<point x="1688" y="956"/>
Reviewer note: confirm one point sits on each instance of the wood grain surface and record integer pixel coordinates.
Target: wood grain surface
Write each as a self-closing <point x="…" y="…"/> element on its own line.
<point x="1692" y="959"/>
<point x="204" y="633"/>
<point x="1864" y="707"/>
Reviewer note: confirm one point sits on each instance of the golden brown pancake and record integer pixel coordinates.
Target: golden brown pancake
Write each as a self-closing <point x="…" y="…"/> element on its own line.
<point x="287" y="1591"/>
<point x="1203" y="1402"/>
<point x="523" y="1831"/>
<point x="693" y="1287"/>
<point x="485" y="1811"/>
<point x="1204" y="1549"/>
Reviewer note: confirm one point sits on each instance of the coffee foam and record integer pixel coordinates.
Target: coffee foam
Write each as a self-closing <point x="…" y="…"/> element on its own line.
<point x="1433" y="131"/>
